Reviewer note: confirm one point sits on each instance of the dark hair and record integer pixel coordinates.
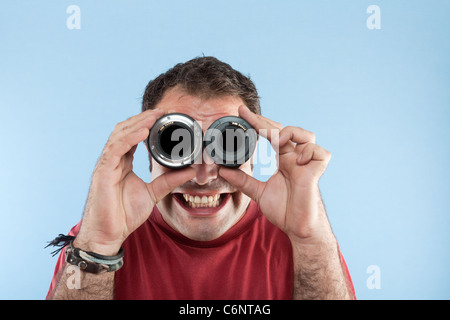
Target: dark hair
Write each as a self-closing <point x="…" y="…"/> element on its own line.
<point x="204" y="77"/>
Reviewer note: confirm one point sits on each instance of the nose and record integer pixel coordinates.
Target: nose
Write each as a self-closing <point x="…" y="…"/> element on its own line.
<point x="206" y="170"/>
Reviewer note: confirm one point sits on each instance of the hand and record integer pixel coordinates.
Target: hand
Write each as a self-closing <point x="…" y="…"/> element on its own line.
<point x="119" y="201"/>
<point x="290" y="199"/>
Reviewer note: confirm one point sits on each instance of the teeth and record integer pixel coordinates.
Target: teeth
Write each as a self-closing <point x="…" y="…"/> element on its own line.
<point x="202" y="202"/>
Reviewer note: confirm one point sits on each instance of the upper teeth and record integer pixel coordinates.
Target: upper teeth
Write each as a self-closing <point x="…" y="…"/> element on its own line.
<point x="202" y="201"/>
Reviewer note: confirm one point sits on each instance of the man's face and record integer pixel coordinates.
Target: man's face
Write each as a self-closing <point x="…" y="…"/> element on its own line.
<point x="206" y="206"/>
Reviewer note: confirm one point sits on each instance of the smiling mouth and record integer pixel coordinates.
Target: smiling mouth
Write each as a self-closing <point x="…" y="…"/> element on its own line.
<point x="195" y="201"/>
<point x="202" y="202"/>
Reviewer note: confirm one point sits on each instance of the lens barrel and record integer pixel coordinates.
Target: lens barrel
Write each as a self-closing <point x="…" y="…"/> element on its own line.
<point x="230" y="141"/>
<point x="175" y="140"/>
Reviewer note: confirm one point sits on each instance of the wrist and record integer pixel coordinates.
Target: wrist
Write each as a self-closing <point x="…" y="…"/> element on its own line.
<point x="106" y="249"/>
<point x="313" y="247"/>
<point x="93" y="262"/>
<point x="318" y="238"/>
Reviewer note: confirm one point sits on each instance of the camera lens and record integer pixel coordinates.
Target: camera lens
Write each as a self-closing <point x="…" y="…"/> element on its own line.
<point x="175" y="140"/>
<point x="230" y="141"/>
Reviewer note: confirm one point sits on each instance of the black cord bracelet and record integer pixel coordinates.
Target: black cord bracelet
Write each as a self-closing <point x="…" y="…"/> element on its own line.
<point x="60" y="241"/>
<point x="87" y="260"/>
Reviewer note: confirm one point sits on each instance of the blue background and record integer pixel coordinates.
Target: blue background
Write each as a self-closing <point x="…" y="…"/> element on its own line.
<point x="377" y="99"/>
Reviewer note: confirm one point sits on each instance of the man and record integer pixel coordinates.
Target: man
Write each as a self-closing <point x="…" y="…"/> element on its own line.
<point x="255" y="240"/>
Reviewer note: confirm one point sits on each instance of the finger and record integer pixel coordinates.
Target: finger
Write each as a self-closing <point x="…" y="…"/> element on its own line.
<point x="116" y="148"/>
<point x="243" y="182"/>
<point x="126" y="162"/>
<point x="131" y="152"/>
<point x="265" y="127"/>
<point x="297" y="135"/>
<point x="290" y="136"/>
<point x="145" y="119"/>
<point x="167" y="182"/>
<point x="313" y="152"/>
<point x="130" y="122"/>
<point x="127" y="135"/>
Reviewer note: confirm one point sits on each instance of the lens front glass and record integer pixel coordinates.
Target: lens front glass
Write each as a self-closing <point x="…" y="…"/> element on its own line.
<point x="176" y="141"/>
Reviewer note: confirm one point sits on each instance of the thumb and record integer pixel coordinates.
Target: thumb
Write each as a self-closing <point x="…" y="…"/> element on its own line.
<point x="167" y="182"/>
<point x="243" y="182"/>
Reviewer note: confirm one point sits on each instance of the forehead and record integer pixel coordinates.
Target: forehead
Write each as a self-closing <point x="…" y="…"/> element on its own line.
<point x="205" y="110"/>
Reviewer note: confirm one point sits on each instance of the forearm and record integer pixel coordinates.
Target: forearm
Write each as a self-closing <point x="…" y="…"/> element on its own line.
<point x="74" y="284"/>
<point x="318" y="269"/>
<point x="319" y="273"/>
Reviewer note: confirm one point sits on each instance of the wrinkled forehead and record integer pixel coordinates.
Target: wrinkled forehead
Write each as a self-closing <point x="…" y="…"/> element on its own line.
<point x="203" y="110"/>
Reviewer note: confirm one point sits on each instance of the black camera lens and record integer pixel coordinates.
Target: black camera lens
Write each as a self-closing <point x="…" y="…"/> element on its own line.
<point x="230" y="141"/>
<point x="175" y="140"/>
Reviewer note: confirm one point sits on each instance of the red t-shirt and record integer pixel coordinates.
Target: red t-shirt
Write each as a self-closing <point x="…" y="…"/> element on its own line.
<point x="252" y="260"/>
